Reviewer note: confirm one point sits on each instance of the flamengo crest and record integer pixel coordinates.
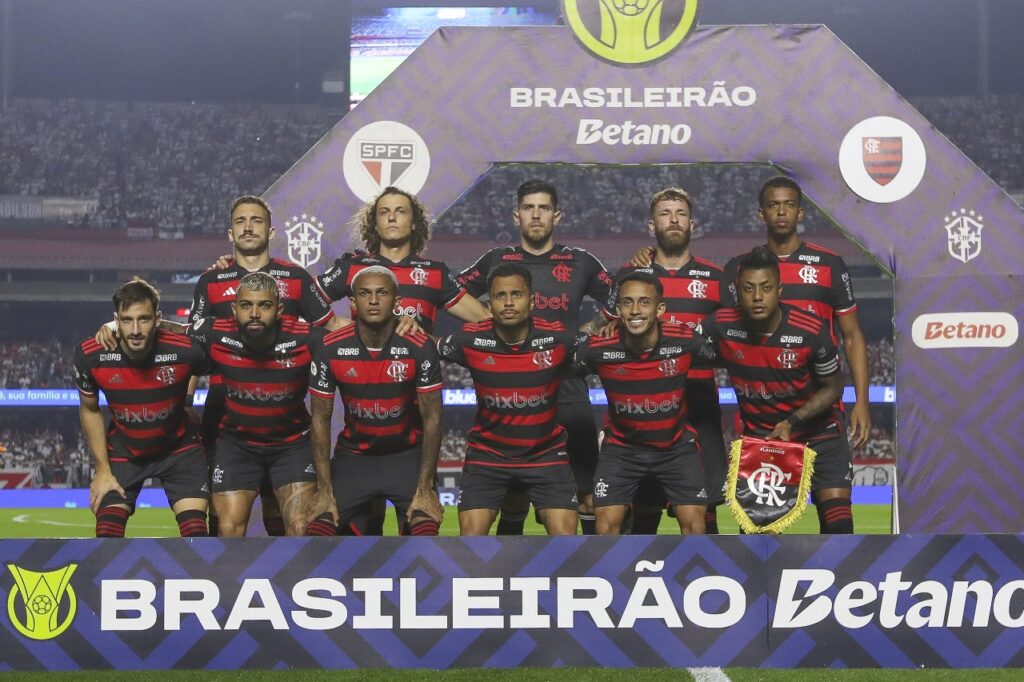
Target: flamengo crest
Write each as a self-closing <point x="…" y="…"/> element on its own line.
<point x="304" y="234"/>
<point x="963" y="234"/>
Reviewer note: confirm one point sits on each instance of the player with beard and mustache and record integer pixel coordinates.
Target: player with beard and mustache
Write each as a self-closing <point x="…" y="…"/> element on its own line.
<point x="694" y="288"/>
<point x="264" y="360"/>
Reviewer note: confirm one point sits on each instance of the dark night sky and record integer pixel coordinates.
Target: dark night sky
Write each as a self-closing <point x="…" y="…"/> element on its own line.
<point x="257" y="50"/>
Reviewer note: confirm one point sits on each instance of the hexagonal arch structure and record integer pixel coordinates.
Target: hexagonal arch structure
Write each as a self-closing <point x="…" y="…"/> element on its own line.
<point x="787" y="95"/>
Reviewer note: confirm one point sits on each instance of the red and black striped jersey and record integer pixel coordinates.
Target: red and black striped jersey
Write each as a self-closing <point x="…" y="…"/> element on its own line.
<point x="814" y="279"/>
<point x="425" y="285"/>
<point x="562" y="277"/>
<point x="516" y="389"/>
<point x="264" y="391"/>
<point x="300" y="293"/>
<point x="646" y="391"/>
<point x="146" y="399"/>
<point x="774" y="376"/>
<point x="378" y="388"/>
<point x="692" y="292"/>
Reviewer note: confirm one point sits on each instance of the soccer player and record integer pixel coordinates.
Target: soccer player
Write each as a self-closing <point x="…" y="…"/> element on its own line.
<point x="517" y="362"/>
<point x="562" y="276"/>
<point x="264" y="359"/>
<point x="643" y="367"/>
<point x="145" y="379"/>
<point x="391" y="388"/>
<point x="816" y="280"/>
<point x="784" y="366"/>
<point x="693" y="289"/>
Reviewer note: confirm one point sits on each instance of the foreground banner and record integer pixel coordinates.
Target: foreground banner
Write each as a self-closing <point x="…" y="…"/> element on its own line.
<point x="791" y="601"/>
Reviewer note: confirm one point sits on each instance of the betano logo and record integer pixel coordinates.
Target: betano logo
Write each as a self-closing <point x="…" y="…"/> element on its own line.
<point x="965" y="330"/>
<point x="630" y="32"/>
<point x="34" y="604"/>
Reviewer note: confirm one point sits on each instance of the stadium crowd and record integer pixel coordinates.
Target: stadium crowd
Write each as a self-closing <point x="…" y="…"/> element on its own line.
<point x="49" y="445"/>
<point x="171" y="165"/>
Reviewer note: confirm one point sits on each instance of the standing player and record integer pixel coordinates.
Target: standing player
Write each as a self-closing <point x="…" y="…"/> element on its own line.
<point x="562" y="276"/>
<point x="145" y="379"/>
<point x="784" y="367"/>
<point x="517" y="362"/>
<point x="264" y="360"/>
<point x="643" y="367"/>
<point x="816" y="280"/>
<point x="693" y="290"/>
<point x="391" y="388"/>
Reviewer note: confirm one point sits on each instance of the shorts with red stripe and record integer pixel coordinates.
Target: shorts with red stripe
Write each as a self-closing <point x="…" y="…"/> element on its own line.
<point x="546" y="480"/>
<point x="182" y="474"/>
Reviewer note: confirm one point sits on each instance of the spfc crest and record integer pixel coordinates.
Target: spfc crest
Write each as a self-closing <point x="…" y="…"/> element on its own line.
<point x="883" y="158"/>
<point x="304" y="235"/>
<point x="963" y="234"/>
<point x="768" y="483"/>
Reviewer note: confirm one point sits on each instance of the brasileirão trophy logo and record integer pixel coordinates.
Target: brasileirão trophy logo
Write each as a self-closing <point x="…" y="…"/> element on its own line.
<point x="630" y="32"/>
<point x="34" y="603"/>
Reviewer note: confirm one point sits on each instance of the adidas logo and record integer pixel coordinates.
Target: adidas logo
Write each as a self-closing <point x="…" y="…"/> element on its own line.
<point x="620" y="370"/>
<point x="205" y="488"/>
<point x="352" y="372"/>
<point x="489" y="360"/>
<point x="116" y="379"/>
<point x="309" y="469"/>
<point x="230" y="292"/>
<point x="702" y="495"/>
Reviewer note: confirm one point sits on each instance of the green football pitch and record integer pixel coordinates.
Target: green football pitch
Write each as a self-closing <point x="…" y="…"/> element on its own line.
<point x="148" y="523"/>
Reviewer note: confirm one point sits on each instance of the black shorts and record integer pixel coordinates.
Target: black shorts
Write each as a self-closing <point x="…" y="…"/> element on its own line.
<point x="620" y="472"/>
<point x="213" y="412"/>
<point x="240" y="466"/>
<point x="547" y="485"/>
<point x="578" y="421"/>
<point x="359" y="479"/>
<point x="833" y="465"/>
<point x="705" y="415"/>
<point x="182" y="475"/>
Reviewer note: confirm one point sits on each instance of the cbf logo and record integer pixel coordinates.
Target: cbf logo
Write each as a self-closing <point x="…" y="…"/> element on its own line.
<point x="382" y="154"/>
<point x="787" y="358"/>
<point x="630" y="32"/>
<point x="963" y="234"/>
<point x="37" y="601"/>
<point x="304" y="235"/>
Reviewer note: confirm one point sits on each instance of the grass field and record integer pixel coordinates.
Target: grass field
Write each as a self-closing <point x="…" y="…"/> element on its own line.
<point x="147" y="523"/>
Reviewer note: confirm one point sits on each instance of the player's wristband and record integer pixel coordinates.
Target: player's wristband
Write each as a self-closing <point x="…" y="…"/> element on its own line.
<point x="190" y="399"/>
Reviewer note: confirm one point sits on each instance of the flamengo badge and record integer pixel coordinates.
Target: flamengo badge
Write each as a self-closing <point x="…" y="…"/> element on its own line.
<point x="963" y="234"/>
<point x="304" y="235"/>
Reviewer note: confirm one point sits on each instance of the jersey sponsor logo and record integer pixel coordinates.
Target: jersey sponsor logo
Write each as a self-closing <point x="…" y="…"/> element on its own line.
<point x="594" y="130"/>
<point x="41" y="606"/>
<point x="280" y="273"/>
<point x="791" y="339"/>
<point x="286" y="345"/>
<point x="483" y="343"/>
<point x="562" y="273"/>
<point x="963" y="234"/>
<point x="397" y="371"/>
<point x="671" y="350"/>
<point x="647" y="406"/>
<point x="257" y="393"/>
<point x="165" y="357"/>
<point x="425" y="367"/>
<point x="375" y="411"/>
<point x="808" y="258"/>
<point x="418" y="276"/>
<point x="228" y="341"/>
<point x="613" y="355"/>
<point x="882" y="159"/>
<point x="758" y="391"/>
<point x="808" y="274"/>
<point x="700" y="273"/>
<point x="165" y="375"/>
<point x="736" y="333"/>
<point x="304" y="234"/>
<point x="409" y="311"/>
<point x="543" y="359"/>
<point x="512" y="256"/>
<point x="347" y="351"/>
<point x="385" y="153"/>
<point x="110" y="357"/>
<point x="697" y="289"/>
<point x="787" y="358"/>
<point x="542" y="302"/>
<point x="398" y="350"/>
<point x="630" y="33"/>
<point x="227" y="275"/>
<point x="965" y="330"/>
<point x="542" y="341"/>
<point x="143" y="415"/>
<point x="514" y="401"/>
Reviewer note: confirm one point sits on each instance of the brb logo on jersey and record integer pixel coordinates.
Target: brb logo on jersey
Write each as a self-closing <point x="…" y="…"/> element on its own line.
<point x="630" y="32"/>
<point x="382" y="154"/>
<point x="304" y="235"/>
<point x="882" y="159"/>
<point x="35" y="603"/>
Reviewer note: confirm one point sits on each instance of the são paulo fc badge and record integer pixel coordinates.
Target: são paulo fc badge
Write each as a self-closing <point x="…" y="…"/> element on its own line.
<point x="304" y="235"/>
<point x="382" y="154"/>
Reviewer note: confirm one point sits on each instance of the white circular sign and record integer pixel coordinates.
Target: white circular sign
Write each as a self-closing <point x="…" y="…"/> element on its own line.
<point x="882" y="159"/>
<point x="382" y="154"/>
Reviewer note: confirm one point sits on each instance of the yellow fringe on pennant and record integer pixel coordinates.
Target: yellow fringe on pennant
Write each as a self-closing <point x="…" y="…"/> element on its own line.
<point x="791" y="517"/>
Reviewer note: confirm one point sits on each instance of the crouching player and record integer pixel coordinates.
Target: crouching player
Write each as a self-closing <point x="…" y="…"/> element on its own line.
<point x="643" y="367"/>
<point x="150" y="435"/>
<point x="391" y="388"/>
